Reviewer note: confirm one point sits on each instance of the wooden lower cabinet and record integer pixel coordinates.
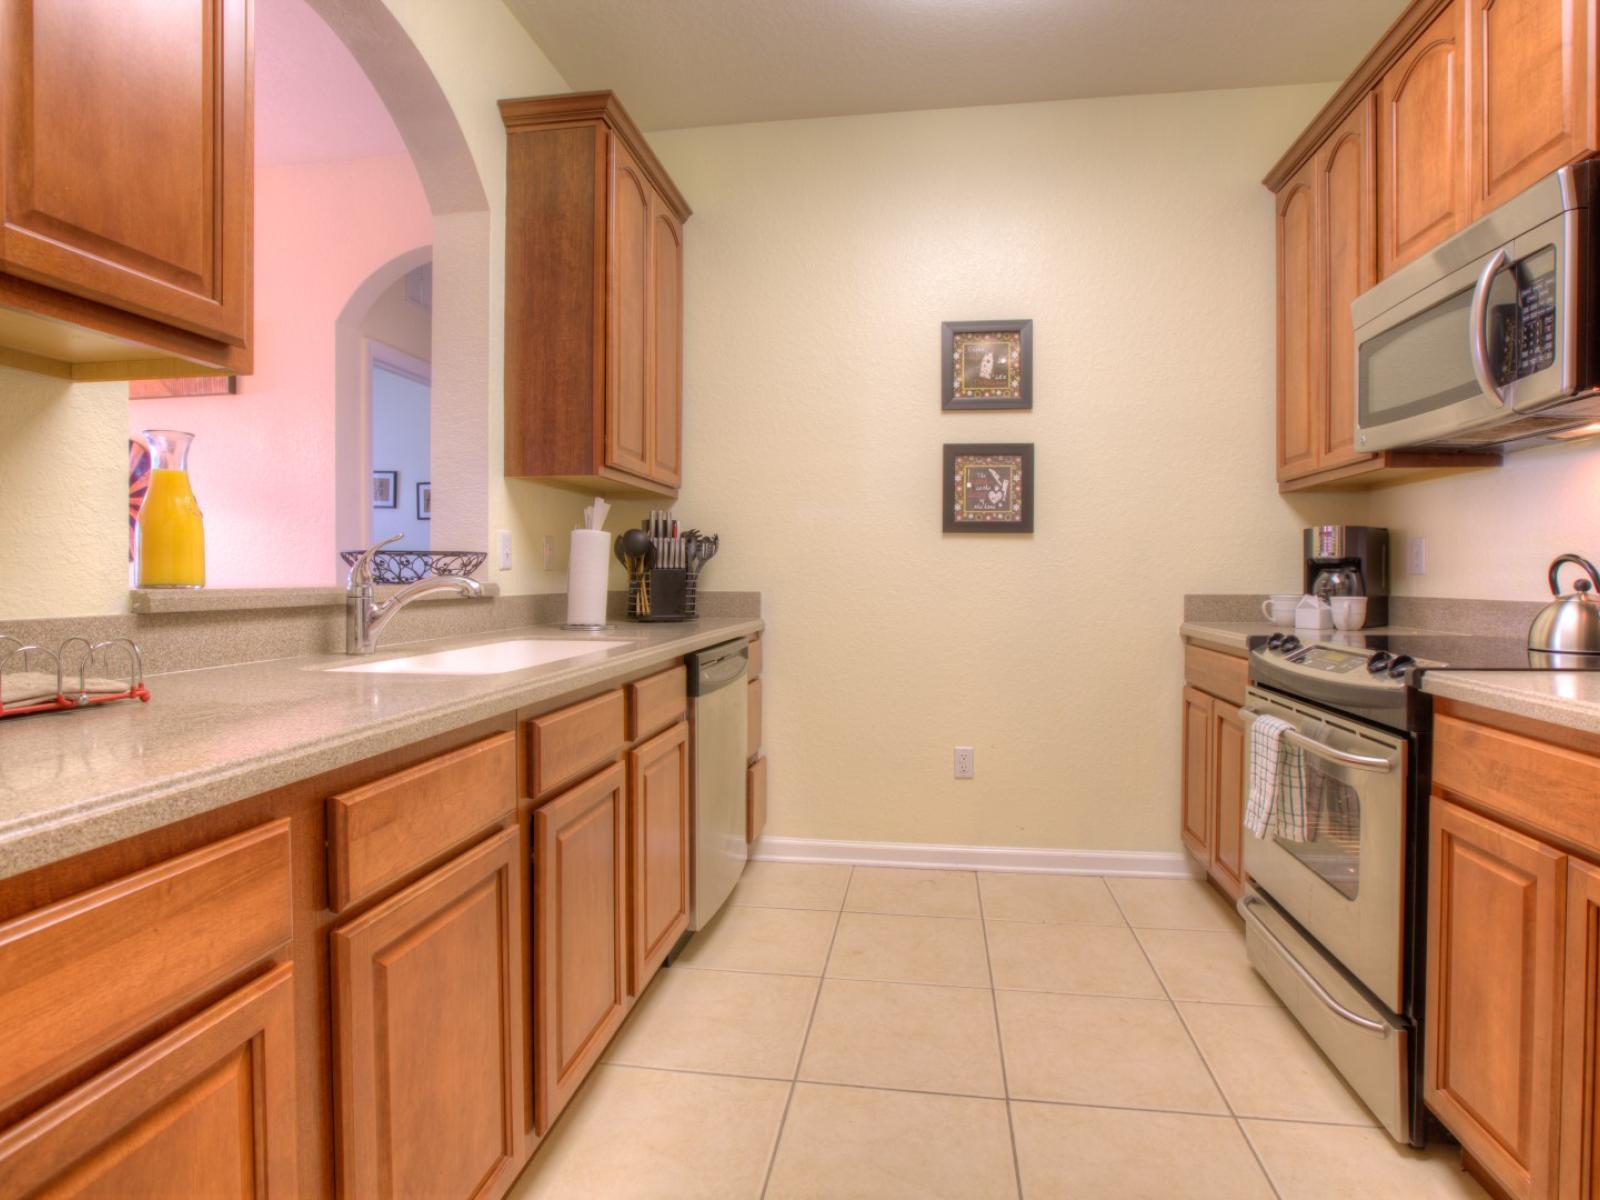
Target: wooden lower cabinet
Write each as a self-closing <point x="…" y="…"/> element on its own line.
<point x="428" y="992"/>
<point x="1227" y="785"/>
<point x="1213" y="772"/>
<point x="1496" y="906"/>
<point x="658" y="851"/>
<point x="207" y="1110"/>
<point x="1580" y="1085"/>
<point x="1196" y="827"/>
<point x="580" y="920"/>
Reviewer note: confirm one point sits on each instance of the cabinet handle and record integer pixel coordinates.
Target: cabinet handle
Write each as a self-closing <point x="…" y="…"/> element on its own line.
<point x="1320" y="992"/>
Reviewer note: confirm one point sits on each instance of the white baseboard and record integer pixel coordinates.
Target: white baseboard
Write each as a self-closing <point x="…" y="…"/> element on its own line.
<point x="1153" y="864"/>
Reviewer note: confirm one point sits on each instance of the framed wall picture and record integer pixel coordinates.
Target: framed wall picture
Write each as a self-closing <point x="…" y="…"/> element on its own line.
<point x="988" y="364"/>
<point x="988" y="487"/>
<point x="386" y="489"/>
<point x="425" y="501"/>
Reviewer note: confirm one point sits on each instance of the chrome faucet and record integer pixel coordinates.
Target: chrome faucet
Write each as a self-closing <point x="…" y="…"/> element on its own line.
<point x="365" y="619"/>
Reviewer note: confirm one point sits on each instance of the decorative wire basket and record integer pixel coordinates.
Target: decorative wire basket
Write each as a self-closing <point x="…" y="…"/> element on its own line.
<point x="36" y="678"/>
<point x="408" y="566"/>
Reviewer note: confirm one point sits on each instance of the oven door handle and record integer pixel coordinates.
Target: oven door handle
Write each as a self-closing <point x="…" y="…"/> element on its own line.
<point x="1310" y="980"/>
<point x="1477" y="335"/>
<point x="1362" y="762"/>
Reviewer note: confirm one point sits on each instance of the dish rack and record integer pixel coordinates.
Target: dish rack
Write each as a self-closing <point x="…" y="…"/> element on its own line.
<point x="36" y="690"/>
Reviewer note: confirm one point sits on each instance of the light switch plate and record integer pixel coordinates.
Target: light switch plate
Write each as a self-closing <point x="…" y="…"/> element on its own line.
<point x="549" y="552"/>
<point x="1417" y="556"/>
<point x="503" y="540"/>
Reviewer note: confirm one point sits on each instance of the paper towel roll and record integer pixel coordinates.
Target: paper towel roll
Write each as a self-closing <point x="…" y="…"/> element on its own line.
<point x="588" y="566"/>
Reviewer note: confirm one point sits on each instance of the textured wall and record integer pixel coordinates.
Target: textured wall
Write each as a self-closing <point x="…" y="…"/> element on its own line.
<point x="820" y="261"/>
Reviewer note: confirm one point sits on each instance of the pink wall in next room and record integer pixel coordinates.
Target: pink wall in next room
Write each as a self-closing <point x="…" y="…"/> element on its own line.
<point x="263" y="460"/>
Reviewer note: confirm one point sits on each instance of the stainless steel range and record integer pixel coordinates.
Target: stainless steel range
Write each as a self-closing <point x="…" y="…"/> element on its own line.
<point x="1336" y="923"/>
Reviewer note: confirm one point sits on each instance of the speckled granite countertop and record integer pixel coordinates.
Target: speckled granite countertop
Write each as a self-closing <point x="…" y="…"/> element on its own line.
<point x="1569" y="698"/>
<point x="70" y="782"/>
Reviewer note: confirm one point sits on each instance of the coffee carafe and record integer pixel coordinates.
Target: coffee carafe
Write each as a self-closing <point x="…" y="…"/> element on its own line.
<point x="1349" y="560"/>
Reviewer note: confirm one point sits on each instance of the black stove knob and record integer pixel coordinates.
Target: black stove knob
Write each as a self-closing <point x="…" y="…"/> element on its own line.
<point x="1379" y="662"/>
<point x="1289" y="644"/>
<point x="1401" y="664"/>
<point x="1275" y="641"/>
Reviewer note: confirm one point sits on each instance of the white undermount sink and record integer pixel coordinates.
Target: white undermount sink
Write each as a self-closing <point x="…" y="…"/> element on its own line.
<point x="491" y="658"/>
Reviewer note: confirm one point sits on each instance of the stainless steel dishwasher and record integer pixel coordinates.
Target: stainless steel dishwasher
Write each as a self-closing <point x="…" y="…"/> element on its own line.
<point x="719" y="739"/>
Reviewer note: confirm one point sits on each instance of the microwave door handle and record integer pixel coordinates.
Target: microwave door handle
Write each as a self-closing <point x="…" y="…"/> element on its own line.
<point x="1478" y="336"/>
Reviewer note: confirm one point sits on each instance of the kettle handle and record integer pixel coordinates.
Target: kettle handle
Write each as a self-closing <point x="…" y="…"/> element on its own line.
<point x="1576" y="560"/>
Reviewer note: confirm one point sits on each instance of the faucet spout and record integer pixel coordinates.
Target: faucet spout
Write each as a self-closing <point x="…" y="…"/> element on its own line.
<point x="366" y="618"/>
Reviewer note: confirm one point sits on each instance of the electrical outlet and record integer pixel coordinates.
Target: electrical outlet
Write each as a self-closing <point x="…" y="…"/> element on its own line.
<point x="1417" y="559"/>
<point x="503" y="538"/>
<point x="965" y="768"/>
<point x="549" y="552"/>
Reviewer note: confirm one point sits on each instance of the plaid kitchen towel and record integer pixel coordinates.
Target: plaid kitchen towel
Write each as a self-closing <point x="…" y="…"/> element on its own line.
<point x="1277" y="770"/>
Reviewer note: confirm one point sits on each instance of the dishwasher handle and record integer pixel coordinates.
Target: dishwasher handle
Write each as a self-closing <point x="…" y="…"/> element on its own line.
<point x="717" y="667"/>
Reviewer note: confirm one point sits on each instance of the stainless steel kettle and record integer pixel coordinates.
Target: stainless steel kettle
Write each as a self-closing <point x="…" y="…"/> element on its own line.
<point x="1569" y="625"/>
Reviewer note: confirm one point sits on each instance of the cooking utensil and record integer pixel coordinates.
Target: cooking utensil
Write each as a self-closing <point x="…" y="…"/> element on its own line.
<point x="1570" y="624"/>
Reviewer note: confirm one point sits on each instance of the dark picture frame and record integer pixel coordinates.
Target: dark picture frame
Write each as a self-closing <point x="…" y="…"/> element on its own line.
<point x="386" y="484"/>
<point x="1004" y="473"/>
<point x="425" y="501"/>
<point x="969" y="348"/>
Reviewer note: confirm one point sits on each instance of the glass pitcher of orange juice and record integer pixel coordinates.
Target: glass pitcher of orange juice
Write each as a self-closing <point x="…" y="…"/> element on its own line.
<point x="172" y="536"/>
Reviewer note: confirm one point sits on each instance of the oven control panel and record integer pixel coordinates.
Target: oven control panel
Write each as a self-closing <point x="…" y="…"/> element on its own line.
<point x="1355" y="664"/>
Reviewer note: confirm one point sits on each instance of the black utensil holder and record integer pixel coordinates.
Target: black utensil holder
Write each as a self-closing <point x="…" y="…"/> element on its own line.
<point x="672" y="595"/>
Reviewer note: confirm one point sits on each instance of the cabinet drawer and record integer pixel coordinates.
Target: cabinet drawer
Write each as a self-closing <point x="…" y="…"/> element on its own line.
<point x="1221" y="675"/>
<point x="565" y="744"/>
<point x="753" y="717"/>
<point x="84" y="974"/>
<point x="657" y="702"/>
<point x="1551" y="788"/>
<point x="382" y="831"/>
<point x="754" y="666"/>
<point x="755" y="799"/>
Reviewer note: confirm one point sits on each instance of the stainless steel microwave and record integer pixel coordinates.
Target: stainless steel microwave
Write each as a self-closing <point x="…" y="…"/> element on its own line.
<point x="1488" y="340"/>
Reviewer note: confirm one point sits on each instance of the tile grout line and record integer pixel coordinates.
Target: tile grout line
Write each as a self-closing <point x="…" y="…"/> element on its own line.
<point x="999" y="1040"/>
<point x="1195" y="1042"/>
<point x="794" y="1079"/>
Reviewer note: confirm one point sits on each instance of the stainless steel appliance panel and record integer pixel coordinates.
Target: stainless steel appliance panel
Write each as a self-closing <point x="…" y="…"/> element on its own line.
<point x="718" y="680"/>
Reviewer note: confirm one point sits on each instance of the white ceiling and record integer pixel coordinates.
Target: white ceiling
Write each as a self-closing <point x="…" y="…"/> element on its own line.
<point x="679" y="63"/>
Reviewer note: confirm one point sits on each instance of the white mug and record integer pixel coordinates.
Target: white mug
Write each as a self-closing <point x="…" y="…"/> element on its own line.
<point x="1349" y="612"/>
<point x="1279" y="608"/>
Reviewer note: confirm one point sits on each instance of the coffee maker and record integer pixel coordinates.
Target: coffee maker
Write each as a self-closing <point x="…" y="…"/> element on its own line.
<point x="1349" y="560"/>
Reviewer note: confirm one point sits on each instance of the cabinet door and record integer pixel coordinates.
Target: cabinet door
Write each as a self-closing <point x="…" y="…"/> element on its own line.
<point x="207" y="1110"/>
<point x="1496" y="902"/>
<point x="1196" y="827"/>
<point x="628" y="304"/>
<point x="1227" y="777"/>
<point x="428" y="996"/>
<point x="1530" y="93"/>
<point x="1299" y="340"/>
<point x="1349" y="267"/>
<point x="666" y="321"/>
<point x="1580" y="1047"/>
<point x="125" y="155"/>
<point x="1422" y="144"/>
<point x="580" y="934"/>
<point x="658" y="863"/>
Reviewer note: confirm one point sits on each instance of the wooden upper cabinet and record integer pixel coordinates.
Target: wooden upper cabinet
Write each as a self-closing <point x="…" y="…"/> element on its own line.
<point x="1349" y="266"/>
<point x="125" y="171"/>
<point x="594" y="307"/>
<point x="1496" y="904"/>
<point x="1530" y="93"/>
<point x="1422" y="150"/>
<point x="1299" y="346"/>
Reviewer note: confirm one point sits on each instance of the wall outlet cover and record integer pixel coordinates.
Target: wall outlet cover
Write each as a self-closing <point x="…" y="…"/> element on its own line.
<point x="503" y="541"/>
<point x="549" y="552"/>
<point x="966" y="768"/>
<point x="1417" y="556"/>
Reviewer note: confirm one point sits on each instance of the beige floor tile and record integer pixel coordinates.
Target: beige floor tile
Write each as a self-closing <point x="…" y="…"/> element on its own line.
<point x="791" y="885"/>
<point x="779" y="940"/>
<point x="1268" y="1067"/>
<point x="1048" y="899"/>
<point x="1319" y="1162"/>
<point x="1067" y="1153"/>
<point x="1102" y="1050"/>
<point x="889" y="949"/>
<point x="913" y="892"/>
<point x="1172" y="904"/>
<point x="659" y="1134"/>
<point x="901" y="1035"/>
<point x="723" y="1021"/>
<point x="855" y="1143"/>
<point x="1101" y="960"/>
<point x="1200" y="964"/>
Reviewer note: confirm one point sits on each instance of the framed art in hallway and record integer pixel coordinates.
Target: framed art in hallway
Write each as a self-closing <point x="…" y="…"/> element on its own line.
<point x="987" y="365"/>
<point x="425" y="501"/>
<point x="386" y="489"/>
<point x="988" y="487"/>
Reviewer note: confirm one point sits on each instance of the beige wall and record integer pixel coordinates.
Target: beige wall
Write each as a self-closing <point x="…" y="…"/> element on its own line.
<point x="820" y="261"/>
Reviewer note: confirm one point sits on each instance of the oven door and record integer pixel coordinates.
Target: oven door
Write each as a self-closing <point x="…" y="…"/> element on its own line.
<point x="1344" y="884"/>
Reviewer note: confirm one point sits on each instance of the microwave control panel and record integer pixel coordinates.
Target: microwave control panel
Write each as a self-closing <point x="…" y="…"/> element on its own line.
<point x="1536" y="313"/>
